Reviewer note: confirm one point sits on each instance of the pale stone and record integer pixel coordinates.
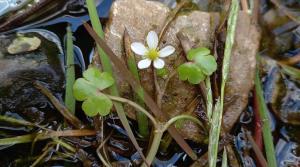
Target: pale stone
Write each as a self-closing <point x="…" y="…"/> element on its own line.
<point x="24" y="44"/>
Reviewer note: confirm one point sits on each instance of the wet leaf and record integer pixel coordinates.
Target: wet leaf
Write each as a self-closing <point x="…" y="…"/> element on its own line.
<point x="190" y="72"/>
<point x="207" y="63"/>
<point x="197" y="52"/>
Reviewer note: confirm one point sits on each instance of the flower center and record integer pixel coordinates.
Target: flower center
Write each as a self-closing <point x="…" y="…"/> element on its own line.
<point x="152" y="54"/>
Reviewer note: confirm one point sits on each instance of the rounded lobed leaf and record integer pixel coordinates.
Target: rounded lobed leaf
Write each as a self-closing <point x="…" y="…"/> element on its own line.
<point x="190" y="72"/>
<point x="100" y="80"/>
<point x="207" y="63"/>
<point x="99" y="104"/>
<point x="82" y="89"/>
<point x="202" y="51"/>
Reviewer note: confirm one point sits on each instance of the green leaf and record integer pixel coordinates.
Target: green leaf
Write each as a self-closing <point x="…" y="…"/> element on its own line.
<point x="99" y="104"/>
<point x="93" y="80"/>
<point x="100" y="80"/>
<point x="207" y="63"/>
<point x="162" y="72"/>
<point x="190" y="72"/>
<point x="88" y="89"/>
<point x="82" y="89"/>
<point x="197" y="52"/>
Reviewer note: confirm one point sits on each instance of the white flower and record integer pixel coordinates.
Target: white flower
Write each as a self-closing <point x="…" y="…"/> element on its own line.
<point x="151" y="53"/>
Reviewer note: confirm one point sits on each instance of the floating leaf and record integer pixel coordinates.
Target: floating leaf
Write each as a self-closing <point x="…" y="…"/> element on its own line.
<point x="88" y="89"/>
<point x="197" y="52"/>
<point x="99" y="104"/>
<point x="190" y="72"/>
<point x="207" y="63"/>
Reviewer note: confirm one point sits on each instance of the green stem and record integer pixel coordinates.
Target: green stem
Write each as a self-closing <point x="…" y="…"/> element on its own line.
<point x="219" y="106"/>
<point x="70" y="73"/>
<point x="64" y="144"/>
<point x="158" y="134"/>
<point x="107" y="67"/>
<point x="136" y="106"/>
<point x="209" y="99"/>
<point x="154" y="146"/>
<point x="267" y="133"/>
<point x="142" y="119"/>
<point x="178" y="117"/>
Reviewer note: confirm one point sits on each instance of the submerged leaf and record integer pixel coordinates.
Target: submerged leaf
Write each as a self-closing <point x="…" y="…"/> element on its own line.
<point x="190" y="72"/>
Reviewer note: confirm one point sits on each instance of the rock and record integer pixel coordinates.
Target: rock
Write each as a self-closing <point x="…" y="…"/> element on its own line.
<point x="17" y="73"/>
<point x="24" y="44"/>
<point x="144" y="16"/>
<point x="242" y="70"/>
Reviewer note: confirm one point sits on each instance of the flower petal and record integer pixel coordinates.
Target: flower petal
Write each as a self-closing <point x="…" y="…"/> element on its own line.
<point x="144" y="63"/>
<point x="152" y="40"/>
<point x="139" y="48"/>
<point x="166" y="51"/>
<point x="159" y="63"/>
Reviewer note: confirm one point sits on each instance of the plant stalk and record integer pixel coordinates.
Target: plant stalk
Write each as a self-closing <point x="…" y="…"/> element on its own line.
<point x="70" y="73"/>
<point x="158" y="134"/>
<point x="266" y="127"/>
<point x="143" y="124"/>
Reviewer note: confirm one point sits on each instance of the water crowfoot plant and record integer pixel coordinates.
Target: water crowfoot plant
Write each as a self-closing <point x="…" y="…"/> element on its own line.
<point x="89" y="89"/>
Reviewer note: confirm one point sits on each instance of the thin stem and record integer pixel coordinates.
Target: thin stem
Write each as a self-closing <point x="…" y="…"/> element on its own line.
<point x="99" y="150"/>
<point x="64" y="144"/>
<point x="40" y="158"/>
<point x="142" y="119"/>
<point x="158" y="133"/>
<point x="136" y="106"/>
<point x="178" y="117"/>
<point x="161" y="92"/>
<point x="70" y="73"/>
<point x="20" y="122"/>
<point x="267" y="133"/>
<point x="209" y="99"/>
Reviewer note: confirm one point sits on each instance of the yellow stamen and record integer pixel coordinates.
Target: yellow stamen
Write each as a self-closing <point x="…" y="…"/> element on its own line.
<point x="153" y="54"/>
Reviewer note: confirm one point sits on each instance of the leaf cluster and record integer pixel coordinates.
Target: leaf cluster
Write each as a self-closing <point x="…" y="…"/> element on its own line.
<point x="88" y="89"/>
<point x="201" y="64"/>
